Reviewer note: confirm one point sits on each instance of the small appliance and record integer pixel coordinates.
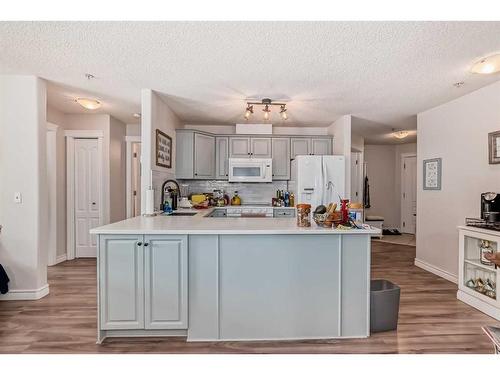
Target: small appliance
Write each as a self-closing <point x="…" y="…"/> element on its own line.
<point x="317" y="179"/>
<point x="250" y="170"/>
<point x="490" y="207"/>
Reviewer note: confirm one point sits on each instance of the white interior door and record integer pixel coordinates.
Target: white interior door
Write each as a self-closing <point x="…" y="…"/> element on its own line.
<point x="87" y="196"/>
<point x="409" y="194"/>
<point x="136" y="179"/>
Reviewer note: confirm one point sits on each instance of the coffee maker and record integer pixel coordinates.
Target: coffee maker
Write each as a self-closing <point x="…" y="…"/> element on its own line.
<point x="490" y="207"/>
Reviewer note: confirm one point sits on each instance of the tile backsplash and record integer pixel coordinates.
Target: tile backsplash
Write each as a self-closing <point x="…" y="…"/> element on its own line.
<point x="249" y="192"/>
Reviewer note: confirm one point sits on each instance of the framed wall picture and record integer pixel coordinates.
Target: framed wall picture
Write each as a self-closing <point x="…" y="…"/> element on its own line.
<point x="432" y="174"/>
<point x="163" y="149"/>
<point x="494" y="147"/>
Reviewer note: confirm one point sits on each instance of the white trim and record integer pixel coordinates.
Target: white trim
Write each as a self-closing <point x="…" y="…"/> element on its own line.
<point x="25" y="294"/>
<point x="61" y="258"/>
<point x="84" y="133"/>
<point x="52" y="127"/>
<point x="70" y="184"/>
<point x="129" y="139"/>
<point x="401" y="170"/>
<point x="479" y="305"/>
<point x="436" y="271"/>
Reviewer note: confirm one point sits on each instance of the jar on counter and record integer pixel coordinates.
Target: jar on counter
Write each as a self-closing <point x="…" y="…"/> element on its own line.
<point x="485" y="248"/>
<point x="304" y="215"/>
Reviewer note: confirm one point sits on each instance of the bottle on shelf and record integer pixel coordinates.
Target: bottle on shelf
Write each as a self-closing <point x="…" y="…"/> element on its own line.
<point x="236" y="200"/>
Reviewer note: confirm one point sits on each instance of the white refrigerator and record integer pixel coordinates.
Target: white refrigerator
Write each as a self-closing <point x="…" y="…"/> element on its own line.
<point x="318" y="179"/>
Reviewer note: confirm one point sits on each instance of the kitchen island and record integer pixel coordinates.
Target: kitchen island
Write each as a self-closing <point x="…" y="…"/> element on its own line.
<point x="220" y="278"/>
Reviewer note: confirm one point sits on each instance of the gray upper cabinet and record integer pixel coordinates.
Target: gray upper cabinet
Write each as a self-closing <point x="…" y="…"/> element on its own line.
<point x="184" y="154"/>
<point x="166" y="282"/>
<point x="300" y="146"/>
<point x="281" y="158"/>
<point x="221" y="158"/>
<point x="239" y="147"/>
<point x="260" y="148"/>
<point x="204" y="156"/>
<point x="121" y="282"/>
<point x="321" y="146"/>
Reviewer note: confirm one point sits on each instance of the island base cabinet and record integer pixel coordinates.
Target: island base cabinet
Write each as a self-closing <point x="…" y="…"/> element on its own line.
<point x="142" y="283"/>
<point x="121" y="282"/>
<point x="166" y="282"/>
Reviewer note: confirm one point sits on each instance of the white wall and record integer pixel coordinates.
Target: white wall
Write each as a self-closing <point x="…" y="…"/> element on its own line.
<point x="23" y="241"/>
<point x="383" y="168"/>
<point x="457" y="132"/>
<point x="133" y="129"/>
<point x="285" y="130"/>
<point x="155" y="115"/>
<point x="341" y="131"/>
<point x="117" y="170"/>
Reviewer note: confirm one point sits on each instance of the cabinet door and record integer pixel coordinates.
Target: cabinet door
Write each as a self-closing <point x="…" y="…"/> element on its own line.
<point x="166" y="282"/>
<point x="300" y="146"/>
<point x="204" y="156"/>
<point x="121" y="282"/>
<point x="239" y="147"/>
<point x="221" y="158"/>
<point x="260" y="148"/>
<point x="321" y="146"/>
<point x="184" y="163"/>
<point x="281" y="158"/>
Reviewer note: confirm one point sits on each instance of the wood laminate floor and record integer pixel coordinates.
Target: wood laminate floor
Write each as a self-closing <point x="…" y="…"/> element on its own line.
<point x="431" y="319"/>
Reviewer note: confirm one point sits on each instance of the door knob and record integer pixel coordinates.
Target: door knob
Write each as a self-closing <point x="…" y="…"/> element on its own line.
<point x="146" y="244"/>
<point x="93" y="203"/>
<point x="139" y="243"/>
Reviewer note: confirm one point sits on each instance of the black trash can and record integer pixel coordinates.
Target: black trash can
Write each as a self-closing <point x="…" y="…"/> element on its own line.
<point x="384" y="306"/>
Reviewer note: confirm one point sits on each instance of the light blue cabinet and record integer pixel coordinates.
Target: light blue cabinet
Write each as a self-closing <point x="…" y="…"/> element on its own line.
<point x="143" y="282"/>
<point x="121" y="282"/>
<point x="166" y="282"/>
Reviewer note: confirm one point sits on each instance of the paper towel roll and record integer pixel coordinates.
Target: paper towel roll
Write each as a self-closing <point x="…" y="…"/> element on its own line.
<point x="150" y="202"/>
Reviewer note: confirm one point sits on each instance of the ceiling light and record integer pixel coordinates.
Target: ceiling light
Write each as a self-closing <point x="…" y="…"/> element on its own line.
<point x="459" y="84"/>
<point x="400" y="134"/>
<point x="88" y="103"/>
<point x="249" y="111"/>
<point x="487" y="65"/>
<point x="266" y="103"/>
<point x="136" y="115"/>
<point x="266" y="111"/>
<point x="283" y="114"/>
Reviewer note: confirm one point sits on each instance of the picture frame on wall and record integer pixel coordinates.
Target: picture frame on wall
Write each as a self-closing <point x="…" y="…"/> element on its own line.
<point x="163" y="149"/>
<point x="432" y="174"/>
<point x="494" y="147"/>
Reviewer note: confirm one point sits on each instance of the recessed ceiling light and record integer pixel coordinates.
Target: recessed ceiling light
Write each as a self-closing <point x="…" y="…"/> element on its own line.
<point x="487" y="65"/>
<point x="459" y="84"/>
<point x="136" y="115"/>
<point x="89" y="103"/>
<point x="400" y="134"/>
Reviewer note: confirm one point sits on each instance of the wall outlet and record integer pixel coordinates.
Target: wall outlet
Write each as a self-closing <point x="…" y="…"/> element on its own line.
<point x="17" y="197"/>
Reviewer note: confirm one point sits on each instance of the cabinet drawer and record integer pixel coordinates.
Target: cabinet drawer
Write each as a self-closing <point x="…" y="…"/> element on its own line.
<point x="284" y="213"/>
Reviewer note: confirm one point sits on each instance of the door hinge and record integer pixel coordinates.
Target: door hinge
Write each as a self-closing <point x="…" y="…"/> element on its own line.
<point x="135" y="154"/>
<point x="404" y="195"/>
<point x="404" y="166"/>
<point x="356" y="193"/>
<point x="404" y="224"/>
<point x="135" y="193"/>
<point x="356" y="162"/>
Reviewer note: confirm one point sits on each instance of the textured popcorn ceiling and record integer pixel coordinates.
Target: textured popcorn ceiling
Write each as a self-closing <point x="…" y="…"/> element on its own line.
<point x="382" y="72"/>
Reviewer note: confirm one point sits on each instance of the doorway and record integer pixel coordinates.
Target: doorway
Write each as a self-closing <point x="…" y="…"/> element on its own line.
<point x="409" y="193"/>
<point x="52" y="194"/>
<point x="133" y="176"/>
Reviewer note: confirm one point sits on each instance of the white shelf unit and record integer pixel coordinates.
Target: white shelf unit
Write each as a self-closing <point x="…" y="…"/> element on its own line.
<point x="470" y="267"/>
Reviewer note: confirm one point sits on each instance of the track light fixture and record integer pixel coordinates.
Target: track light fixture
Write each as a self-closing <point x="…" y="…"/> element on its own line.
<point x="266" y="103"/>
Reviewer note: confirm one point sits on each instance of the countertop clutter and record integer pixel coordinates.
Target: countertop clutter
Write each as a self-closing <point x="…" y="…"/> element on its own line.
<point x="201" y="223"/>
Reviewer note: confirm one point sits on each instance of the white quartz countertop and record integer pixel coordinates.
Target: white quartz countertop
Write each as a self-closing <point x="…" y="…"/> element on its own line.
<point x="480" y="230"/>
<point x="200" y="224"/>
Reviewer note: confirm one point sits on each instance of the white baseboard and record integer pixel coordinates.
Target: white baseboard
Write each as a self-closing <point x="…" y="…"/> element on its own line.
<point x="25" y="294"/>
<point x="436" y="271"/>
<point x="61" y="258"/>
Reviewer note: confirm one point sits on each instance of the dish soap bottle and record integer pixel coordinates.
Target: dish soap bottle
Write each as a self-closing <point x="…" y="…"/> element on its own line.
<point x="236" y="200"/>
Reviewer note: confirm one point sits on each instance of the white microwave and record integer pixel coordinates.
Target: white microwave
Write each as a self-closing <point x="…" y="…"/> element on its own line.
<point x="250" y="170"/>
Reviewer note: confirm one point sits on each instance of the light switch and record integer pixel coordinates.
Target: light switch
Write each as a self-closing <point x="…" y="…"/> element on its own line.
<point x="17" y="197"/>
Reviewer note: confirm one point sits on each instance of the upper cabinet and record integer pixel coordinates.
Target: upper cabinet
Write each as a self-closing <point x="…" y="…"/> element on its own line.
<point x="310" y="146"/>
<point x="195" y="155"/>
<point x="321" y="146"/>
<point x="204" y="156"/>
<point x="250" y="147"/>
<point x="221" y="158"/>
<point x="281" y="158"/>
